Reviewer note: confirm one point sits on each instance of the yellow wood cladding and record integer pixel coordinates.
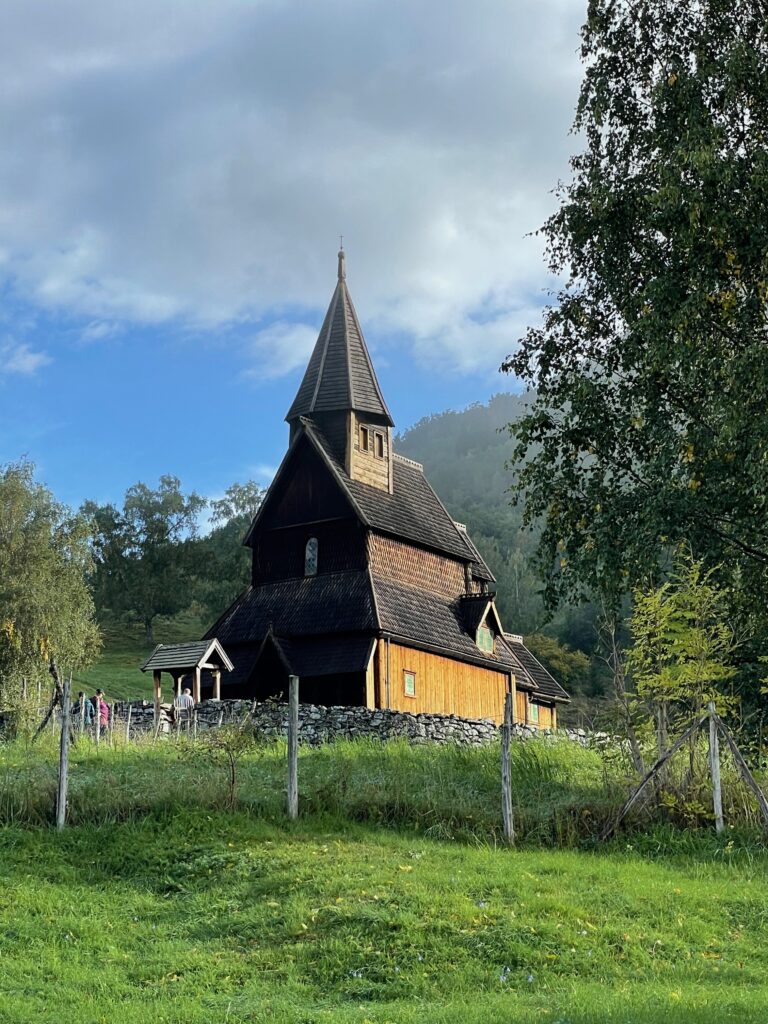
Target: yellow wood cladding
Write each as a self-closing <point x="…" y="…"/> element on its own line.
<point x="443" y="686"/>
<point x="373" y="466"/>
<point x="521" y="704"/>
<point x="414" y="566"/>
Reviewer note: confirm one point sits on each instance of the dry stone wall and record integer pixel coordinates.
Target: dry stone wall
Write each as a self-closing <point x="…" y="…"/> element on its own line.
<point x="323" y="724"/>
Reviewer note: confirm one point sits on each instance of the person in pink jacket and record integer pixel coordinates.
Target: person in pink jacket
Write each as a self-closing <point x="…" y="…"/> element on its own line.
<point x="102" y="709"/>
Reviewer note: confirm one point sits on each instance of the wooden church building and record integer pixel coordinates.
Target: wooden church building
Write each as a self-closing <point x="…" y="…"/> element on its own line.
<point x="362" y="583"/>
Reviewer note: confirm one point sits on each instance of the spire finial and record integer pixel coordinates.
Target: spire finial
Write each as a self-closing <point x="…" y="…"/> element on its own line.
<point x="342" y="267"/>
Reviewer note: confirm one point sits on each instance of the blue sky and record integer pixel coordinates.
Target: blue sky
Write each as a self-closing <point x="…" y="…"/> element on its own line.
<point x="173" y="179"/>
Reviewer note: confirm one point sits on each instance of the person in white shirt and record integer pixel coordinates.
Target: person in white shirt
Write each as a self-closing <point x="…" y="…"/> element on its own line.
<point x="183" y="703"/>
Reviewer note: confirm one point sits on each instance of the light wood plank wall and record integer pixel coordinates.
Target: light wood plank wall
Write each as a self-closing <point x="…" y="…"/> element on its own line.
<point x="443" y="686"/>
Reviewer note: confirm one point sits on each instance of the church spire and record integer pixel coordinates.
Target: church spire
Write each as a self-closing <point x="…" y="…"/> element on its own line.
<point x="340" y="376"/>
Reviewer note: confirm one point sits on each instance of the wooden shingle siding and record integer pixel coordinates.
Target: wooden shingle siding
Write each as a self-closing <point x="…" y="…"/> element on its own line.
<point x="443" y="686"/>
<point x="405" y="563"/>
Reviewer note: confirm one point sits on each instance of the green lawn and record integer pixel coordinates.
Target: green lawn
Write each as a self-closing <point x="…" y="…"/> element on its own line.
<point x="117" y="671"/>
<point x="390" y="899"/>
<point x="214" y="917"/>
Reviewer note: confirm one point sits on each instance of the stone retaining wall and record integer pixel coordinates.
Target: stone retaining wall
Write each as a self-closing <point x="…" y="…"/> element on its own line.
<point x="321" y="724"/>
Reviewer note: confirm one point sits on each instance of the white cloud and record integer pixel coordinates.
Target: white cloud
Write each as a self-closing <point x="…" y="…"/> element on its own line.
<point x="280" y="348"/>
<point x="21" y="360"/>
<point x="197" y="161"/>
<point x="99" y="330"/>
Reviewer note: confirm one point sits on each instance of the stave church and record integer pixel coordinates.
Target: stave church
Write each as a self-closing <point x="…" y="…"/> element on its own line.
<point x="362" y="584"/>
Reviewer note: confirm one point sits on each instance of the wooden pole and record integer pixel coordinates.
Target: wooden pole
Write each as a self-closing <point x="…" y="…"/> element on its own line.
<point x="746" y="774"/>
<point x="128" y="724"/>
<point x="506" y="773"/>
<point x="714" y="769"/>
<point x="651" y="773"/>
<point x="98" y="722"/>
<point x="293" y="747"/>
<point x="196" y="691"/>
<point x="217" y="684"/>
<point x="61" y="796"/>
<point x="158" y="694"/>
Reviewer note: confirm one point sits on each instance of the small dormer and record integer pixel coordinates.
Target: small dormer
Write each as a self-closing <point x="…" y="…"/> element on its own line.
<point x="482" y="621"/>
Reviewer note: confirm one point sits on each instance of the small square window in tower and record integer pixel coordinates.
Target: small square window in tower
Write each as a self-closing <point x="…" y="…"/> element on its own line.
<point x="378" y="445"/>
<point x="310" y="557"/>
<point x="409" y="683"/>
<point x="364" y="439"/>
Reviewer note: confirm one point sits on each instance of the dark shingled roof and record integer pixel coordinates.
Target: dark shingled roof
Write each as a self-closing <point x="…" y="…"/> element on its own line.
<point x="412" y="512"/>
<point x="340" y="374"/>
<point x="340" y="602"/>
<point x="324" y="655"/>
<point x="543" y="681"/>
<point x="430" y="620"/>
<point x="185" y="656"/>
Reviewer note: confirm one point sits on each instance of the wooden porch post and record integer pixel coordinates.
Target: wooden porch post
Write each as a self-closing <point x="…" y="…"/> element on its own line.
<point x="217" y="684"/>
<point x="156" y="678"/>
<point x="196" y="691"/>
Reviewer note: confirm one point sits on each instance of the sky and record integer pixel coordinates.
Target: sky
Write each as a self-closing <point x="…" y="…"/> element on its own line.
<point x="174" y="178"/>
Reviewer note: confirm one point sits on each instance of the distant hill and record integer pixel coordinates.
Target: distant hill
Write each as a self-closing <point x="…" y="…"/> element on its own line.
<point x="465" y="456"/>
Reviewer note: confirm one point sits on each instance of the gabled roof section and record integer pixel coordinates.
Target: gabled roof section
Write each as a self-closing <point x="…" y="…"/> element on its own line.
<point x="413" y="512"/>
<point x="329" y="603"/>
<point x="477" y="609"/>
<point x="544" y="682"/>
<point x="187" y="656"/>
<point x="340" y="373"/>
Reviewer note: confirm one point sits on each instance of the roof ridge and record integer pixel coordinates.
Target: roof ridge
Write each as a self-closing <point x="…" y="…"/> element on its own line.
<point x="408" y="462"/>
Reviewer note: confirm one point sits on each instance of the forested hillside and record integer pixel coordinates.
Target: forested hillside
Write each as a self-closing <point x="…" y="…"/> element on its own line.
<point x="465" y="456"/>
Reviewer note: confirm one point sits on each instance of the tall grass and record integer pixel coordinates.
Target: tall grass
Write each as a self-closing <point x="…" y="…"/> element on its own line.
<point x="563" y="794"/>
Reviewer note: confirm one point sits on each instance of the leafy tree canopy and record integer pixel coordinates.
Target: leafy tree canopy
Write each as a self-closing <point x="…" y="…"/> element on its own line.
<point x="651" y="369"/>
<point x="143" y="563"/>
<point x="222" y="563"/>
<point x="46" y="608"/>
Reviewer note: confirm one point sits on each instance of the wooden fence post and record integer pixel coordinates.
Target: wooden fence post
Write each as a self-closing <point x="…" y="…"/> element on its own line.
<point x="61" y="795"/>
<point x="714" y="768"/>
<point x="293" y="747"/>
<point x="506" y="773"/>
<point x="128" y="724"/>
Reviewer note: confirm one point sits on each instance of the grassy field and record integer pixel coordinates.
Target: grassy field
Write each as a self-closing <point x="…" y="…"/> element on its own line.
<point x="225" y="917"/>
<point x="390" y="900"/>
<point x="117" y="672"/>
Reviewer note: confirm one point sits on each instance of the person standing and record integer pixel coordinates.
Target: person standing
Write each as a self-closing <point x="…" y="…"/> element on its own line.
<point x="183" y="703"/>
<point x="101" y="709"/>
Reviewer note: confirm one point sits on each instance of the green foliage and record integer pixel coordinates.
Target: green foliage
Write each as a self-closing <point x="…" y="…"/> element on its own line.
<point x="651" y="370"/>
<point x="46" y="609"/>
<point x="569" y="667"/>
<point x="681" y="646"/>
<point x="142" y="561"/>
<point x="222" y="565"/>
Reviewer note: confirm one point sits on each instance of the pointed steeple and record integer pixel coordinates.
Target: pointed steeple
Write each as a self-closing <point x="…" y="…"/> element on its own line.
<point x="340" y="376"/>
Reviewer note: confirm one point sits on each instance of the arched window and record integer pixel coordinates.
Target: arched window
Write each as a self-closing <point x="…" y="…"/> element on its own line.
<point x="310" y="557"/>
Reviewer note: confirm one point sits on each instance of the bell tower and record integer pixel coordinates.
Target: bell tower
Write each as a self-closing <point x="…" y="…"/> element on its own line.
<point x="340" y="394"/>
